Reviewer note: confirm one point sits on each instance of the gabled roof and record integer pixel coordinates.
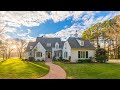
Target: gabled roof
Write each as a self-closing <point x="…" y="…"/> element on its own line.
<point x="75" y="44"/>
<point x="45" y="40"/>
<point x="30" y="44"/>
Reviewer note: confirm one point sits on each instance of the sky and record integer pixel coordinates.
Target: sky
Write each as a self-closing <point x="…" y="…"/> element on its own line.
<point x="63" y="24"/>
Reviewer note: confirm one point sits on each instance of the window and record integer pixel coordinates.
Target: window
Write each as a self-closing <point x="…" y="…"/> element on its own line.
<point x="82" y="54"/>
<point x="31" y="47"/>
<point x="30" y="54"/>
<point x="57" y="46"/>
<point x="82" y="43"/>
<point x="38" y="54"/>
<point x="41" y="54"/>
<point x="65" y="54"/>
<point x="48" y="44"/>
<point x="78" y="54"/>
<point x="86" y="54"/>
<point x="65" y="45"/>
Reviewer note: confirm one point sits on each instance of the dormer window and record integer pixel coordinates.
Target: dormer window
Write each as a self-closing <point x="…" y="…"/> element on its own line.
<point x="56" y="45"/>
<point x="48" y="44"/>
<point x="65" y="45"/>
<point x="31" y="47"/>
<point x="82" y="43"/>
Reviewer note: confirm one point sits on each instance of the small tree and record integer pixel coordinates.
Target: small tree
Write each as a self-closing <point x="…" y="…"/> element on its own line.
<point x="101" y="55"/>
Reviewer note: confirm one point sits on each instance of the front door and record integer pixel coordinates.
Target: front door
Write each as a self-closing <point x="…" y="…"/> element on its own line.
<point x="48" y="54"/>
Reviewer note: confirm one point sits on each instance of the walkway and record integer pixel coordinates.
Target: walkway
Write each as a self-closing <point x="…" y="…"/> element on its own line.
<point x="56" y="72"/>
<point x="114" y="61"/>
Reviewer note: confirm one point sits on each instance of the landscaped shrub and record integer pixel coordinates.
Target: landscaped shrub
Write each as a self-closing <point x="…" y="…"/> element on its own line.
<point x="26" y="59"/>
<point x="38" y="59"/>
<point x="101" y="55"/>
<point x="84" y="61"/>
<point x="65" y="60"/>
<point x="31" y="59"/>
<point x="69" y="57"/>
<point x="43" y="60"/>
<point x="54" y="58"/>
<point x="60" y="58"/>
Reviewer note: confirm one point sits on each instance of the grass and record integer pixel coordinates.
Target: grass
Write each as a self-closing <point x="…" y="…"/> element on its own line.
<point x="18" y="69"/>
<point x="91" y="70"/>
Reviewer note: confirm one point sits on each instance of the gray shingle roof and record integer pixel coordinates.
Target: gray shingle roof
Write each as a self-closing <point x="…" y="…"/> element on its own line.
<point x="30" y="44"/>
<point x="45" y="40"/>
<point x="75" y="44"/>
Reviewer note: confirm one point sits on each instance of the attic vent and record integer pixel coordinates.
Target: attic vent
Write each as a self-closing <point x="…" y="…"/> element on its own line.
<point x="48" y="44"/>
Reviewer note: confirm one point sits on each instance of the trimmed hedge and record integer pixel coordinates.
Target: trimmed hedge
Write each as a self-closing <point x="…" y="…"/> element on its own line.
<point x="84" y="60"/>
<point x="31" y="59"/>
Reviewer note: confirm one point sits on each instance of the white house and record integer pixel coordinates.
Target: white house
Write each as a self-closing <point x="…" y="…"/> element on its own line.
<point x="72" y="49"/>
<point x="77" y="48"/>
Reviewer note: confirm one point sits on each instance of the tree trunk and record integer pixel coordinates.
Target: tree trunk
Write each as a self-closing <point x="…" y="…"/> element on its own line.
<point x="97" y="42"/>
<point x="116" y="50"/>
<point x="3" y="56"/>
<point x="104" y="44"/>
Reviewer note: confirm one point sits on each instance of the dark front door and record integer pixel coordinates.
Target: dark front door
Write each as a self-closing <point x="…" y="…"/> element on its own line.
<point x="48" y="54"/>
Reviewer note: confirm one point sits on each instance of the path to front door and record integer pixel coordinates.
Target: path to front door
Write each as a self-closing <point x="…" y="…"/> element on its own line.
<point x="56" y="72"/>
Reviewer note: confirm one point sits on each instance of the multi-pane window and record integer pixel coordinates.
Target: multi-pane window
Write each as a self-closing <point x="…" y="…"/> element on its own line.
<point x="82" y="43"/>
<point x="30" y="54"/>
<point x="65" y="54"/>
<point x="57" y="46"/>
<point x="48" y="44"/>
<point x="82" y="54"/>
<point x="38" y="54"/>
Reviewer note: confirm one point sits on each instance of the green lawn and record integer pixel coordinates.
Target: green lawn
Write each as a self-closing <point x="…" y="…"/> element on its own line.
<point x="18" y="69"/>
<point x="91" y="70"/>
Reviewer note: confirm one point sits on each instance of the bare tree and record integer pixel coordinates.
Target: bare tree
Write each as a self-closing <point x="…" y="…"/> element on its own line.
<point x="20" y="43"/>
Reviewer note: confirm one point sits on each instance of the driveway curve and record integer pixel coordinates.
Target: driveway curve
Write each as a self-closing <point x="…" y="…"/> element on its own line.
<point x="56" y="72"/>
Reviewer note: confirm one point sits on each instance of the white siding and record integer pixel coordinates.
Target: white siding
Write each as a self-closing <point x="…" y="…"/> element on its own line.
<point x="66" y="48"/>
<point x="74" y="54"/>
<point x="39" y="48"/>
<point x="28" y="54"/>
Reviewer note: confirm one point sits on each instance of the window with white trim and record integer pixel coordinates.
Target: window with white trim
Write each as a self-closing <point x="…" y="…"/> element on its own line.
<point x="57" y="46"/>
<point x="30" y="54"/>
<point x="82" y="43"/>
<point x="82" y="54"/>
<point x="65" y="55"/>
<point x="38" y="54"/>
<point x="48" y="44"/>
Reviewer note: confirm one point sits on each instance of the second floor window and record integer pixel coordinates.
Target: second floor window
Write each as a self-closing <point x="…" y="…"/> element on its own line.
<point x="82" y="43"/>
<point x="48" y="44"/>
<point x="57" y="46"/>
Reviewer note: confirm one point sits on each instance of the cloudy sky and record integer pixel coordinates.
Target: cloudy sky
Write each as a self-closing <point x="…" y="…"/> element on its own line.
<point x="31" y="24"/>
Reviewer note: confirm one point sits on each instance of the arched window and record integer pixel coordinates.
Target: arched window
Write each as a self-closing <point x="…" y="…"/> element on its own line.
<point x="57" y="46"/>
